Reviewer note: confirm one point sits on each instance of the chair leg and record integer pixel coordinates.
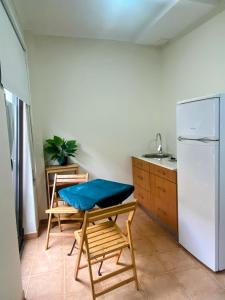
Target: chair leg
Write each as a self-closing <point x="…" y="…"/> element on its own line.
<point x="91" y="276"/>
<point x="134" y="267"/>
<point x="78" y="262"/>
<point x="132" y="257"/>
<point x="71" y="251"/>
<point x="74" y="243"/>
<point x="118" y="258"/>
<point x="100" y="267"/>
<point x="59" y="222"/>
<point x="48" y="231"/>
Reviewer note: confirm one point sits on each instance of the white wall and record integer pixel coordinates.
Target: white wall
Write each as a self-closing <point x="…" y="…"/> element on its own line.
<point x="113" y="97"/>
<point x="192" y="66"/>
<point x="10" y="277"/>
<point x="102" y="93"/>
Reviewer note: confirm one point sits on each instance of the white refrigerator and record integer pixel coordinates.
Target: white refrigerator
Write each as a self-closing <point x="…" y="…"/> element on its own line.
<point x="201" y="178"/>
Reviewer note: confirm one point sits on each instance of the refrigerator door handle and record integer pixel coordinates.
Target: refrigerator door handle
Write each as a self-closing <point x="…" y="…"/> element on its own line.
<point x="180" y="138"/>
<point x="206" y="140"/>
<point x="203" y="139"/>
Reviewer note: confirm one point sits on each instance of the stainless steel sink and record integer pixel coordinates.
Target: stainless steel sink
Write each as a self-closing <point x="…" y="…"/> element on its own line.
<point x="156" y="155"/>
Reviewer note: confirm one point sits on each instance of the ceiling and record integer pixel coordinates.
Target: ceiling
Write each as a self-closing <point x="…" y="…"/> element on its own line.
<point x="148" y="22"/>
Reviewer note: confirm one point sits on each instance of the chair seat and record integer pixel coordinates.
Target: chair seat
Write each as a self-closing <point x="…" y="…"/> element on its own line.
<point x="103" y="239"/>
<point x="64" y="210"/>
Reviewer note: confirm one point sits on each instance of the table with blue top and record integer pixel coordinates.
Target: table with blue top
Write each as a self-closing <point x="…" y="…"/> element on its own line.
<point x="100" y="192"/>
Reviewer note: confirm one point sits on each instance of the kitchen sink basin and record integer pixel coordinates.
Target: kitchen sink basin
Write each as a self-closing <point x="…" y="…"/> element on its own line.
<point x="156" y="155"/>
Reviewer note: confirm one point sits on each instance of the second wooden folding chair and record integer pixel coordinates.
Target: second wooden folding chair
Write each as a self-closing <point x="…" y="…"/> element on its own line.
<point x="106" y="240"/>
<point x="59" y="211"/>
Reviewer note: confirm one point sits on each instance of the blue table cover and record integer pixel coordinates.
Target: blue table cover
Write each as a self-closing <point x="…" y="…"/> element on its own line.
<point x="102" y="192"/>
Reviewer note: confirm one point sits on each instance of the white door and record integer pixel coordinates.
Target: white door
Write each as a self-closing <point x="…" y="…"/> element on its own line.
<point x="198" y="119"/>
<point x="198" y="199"/>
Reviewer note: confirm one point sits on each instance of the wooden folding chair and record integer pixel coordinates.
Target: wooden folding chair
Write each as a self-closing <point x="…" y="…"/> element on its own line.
<point x="60" y="211"/>
<point x="105" y="240"/>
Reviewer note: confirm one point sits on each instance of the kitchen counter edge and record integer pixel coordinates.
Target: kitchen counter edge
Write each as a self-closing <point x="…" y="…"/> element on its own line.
<point x="164" y="163"/>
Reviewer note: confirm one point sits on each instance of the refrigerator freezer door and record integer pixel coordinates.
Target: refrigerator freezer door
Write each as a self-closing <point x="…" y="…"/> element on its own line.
<point x="198" y="119"/>
<point x="198" y="199"/>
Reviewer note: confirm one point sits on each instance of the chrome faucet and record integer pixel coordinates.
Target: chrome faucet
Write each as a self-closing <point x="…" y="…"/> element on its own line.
<point x="158" y="140"/>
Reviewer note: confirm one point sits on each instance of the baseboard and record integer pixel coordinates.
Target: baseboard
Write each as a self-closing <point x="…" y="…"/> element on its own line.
<point x="42" y="223"/>
<point x="30" y="236"/>
<point x="34" y="235"/>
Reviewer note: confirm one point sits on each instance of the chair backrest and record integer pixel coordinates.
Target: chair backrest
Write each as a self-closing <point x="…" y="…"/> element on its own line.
<point x="71" y="178"/>
<point x="95" y="215"/>
<point x="67" y="179"/>
<point x="105" y="213"/>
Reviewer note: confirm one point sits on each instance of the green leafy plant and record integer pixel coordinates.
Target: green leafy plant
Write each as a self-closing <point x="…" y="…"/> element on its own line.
<point x="60" y="149"/>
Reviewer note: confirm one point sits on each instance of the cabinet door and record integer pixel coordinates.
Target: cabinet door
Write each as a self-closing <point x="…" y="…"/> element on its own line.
<point x="142" y="196"/>
<point x="165" y="201"/>
<point x="141" y="178"/>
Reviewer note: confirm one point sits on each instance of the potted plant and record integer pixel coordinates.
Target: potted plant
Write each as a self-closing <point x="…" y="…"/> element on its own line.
<point x="60" y="149"/>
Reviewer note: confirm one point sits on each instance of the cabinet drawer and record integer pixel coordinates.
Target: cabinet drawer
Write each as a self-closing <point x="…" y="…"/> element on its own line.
<point x="170" y="175"/>
<point x="141" y="164"/>
<point x="141" y="178"/>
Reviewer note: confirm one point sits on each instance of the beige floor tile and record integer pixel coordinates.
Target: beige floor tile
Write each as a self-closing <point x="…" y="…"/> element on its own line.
<point x="53" y="242"/>
<point x="165" y="270"/>
<point x="26" y="264"/>
<point x="125" y="292"/>
<point x="49" y="297"/>
<point x="48" y="285"/>
<point x="216" y="295"/>
<point x="197" y="283"/>
<point x="219" y="276"/>
<point x="47" y="261"/>
<point x="163" y="287"/>
<point x="70" y="261"/>
<point x="163" y="243"/>
<point x="176" y="259"/>
<point x="30" y="249"/>
<point x="78" y="287"/>
<point x="151" y="229"/>
<point x="82" y="286"/>
<point x="61" y="241"/>
<point x="67" y="244"/>
<point x="149" y="265"/>
<point x="78" y="296"/>
<point x="144" y="247"/>
<point x="25" y="282"/>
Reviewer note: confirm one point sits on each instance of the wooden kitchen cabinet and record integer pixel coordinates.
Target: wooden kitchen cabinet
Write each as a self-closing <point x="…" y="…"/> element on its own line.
<point x="156" y="191"/>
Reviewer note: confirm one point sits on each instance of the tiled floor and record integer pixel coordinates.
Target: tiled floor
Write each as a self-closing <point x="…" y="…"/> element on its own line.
<point x="165" y="270"/>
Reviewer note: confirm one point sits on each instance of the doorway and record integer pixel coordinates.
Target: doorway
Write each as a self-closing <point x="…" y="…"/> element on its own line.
<point x="15" y="116"/>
